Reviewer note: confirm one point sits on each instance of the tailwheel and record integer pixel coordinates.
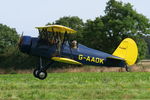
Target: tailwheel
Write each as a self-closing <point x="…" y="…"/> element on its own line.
<point x="42" y="75"/>
<point x="128" y="69"/>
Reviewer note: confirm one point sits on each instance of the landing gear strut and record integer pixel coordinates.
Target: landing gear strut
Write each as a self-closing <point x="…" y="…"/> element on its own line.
<point x="40" y="71"/>
<point x="128" y="69"/>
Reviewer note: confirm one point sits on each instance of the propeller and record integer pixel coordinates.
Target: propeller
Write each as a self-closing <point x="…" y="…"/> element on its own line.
<point x="20" y="40"/>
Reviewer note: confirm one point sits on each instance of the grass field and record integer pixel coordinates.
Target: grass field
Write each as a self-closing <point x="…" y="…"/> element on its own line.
<point x="76" y="86"/>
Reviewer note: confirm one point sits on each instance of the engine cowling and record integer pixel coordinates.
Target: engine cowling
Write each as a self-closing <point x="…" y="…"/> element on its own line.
<point x="25" y="44"/>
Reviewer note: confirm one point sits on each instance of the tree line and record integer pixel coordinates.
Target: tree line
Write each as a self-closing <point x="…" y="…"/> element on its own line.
<point x="103" y="33"/>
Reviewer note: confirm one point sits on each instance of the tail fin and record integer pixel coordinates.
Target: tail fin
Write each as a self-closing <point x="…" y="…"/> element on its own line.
<point x="127" y="50"/>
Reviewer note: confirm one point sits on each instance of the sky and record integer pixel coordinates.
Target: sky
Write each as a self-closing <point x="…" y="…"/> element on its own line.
<point x="25" y="15"/>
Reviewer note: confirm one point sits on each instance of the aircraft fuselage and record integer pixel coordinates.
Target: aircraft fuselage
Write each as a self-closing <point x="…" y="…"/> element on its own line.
<point x="83" y="54"/>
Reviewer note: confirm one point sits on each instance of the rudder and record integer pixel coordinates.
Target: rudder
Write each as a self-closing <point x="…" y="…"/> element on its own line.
<point x="127" y="50"/>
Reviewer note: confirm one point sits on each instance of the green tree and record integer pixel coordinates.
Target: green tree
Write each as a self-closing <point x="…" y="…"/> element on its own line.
<point x="73" y="22"/>
<point x="8" y="37"/>
<point x="147" y="40"/>
<point x="10" y="56"/>
<point x="93" y="35"/>
<point x="120" y="21"/>
<point x="142" y="48"/>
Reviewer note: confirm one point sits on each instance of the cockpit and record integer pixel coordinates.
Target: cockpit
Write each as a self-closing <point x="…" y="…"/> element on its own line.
<point x="54" y="34"/>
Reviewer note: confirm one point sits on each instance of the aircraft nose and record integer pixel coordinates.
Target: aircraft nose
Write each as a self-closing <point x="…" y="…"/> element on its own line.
<point x="25" y="44"/>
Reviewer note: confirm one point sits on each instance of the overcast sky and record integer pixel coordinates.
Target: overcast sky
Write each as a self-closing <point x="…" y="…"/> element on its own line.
<point x="25" y="15"/>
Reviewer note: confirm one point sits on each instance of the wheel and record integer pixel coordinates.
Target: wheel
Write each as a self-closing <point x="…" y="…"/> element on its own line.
<point x="35" y="73"/>
<point x="42" y="75"/>
<point x="128" y="69"/>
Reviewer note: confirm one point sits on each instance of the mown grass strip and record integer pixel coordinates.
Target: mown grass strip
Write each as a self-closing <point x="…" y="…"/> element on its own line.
<point x="105" y="85"/>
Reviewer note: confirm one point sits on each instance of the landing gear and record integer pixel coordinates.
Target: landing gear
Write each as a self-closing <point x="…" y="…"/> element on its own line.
<point x="128" y="69"/>
<point x="40" y="74"/>
<point x="40" y="71"/>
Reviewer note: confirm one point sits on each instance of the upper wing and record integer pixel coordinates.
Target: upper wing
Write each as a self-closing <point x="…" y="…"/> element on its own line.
<point x="58" y="28"/>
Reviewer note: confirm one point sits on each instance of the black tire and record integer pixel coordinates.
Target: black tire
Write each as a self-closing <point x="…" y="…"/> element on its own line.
<point x="128" y="69"/>
<point x="35" y="73"/>
<point x="42" y="75"/>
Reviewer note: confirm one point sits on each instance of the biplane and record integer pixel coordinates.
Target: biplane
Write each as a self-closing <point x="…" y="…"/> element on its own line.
<point x="53" y="43"/>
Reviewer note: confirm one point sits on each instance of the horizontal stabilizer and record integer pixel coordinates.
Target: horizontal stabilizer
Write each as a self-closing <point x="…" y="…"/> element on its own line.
<point x="117" y="58"/>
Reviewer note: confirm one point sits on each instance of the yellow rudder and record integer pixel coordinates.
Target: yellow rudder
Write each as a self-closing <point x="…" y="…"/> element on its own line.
<point x="127" y="50"/>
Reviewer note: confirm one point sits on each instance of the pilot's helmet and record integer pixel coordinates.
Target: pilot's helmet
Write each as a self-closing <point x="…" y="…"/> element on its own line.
<point x="74" y="44"/>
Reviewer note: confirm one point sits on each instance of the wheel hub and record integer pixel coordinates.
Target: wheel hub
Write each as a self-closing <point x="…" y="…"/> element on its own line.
<point x="41" y="74"/>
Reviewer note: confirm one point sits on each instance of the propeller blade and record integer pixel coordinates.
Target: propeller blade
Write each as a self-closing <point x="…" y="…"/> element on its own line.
<point x="20" y="39"/>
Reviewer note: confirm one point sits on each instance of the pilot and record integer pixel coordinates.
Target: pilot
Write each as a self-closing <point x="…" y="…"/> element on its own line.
<point x="74" y="44"/>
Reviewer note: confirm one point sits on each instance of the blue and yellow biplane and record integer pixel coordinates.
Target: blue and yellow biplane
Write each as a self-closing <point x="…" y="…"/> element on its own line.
<point x="54" y="44"/>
